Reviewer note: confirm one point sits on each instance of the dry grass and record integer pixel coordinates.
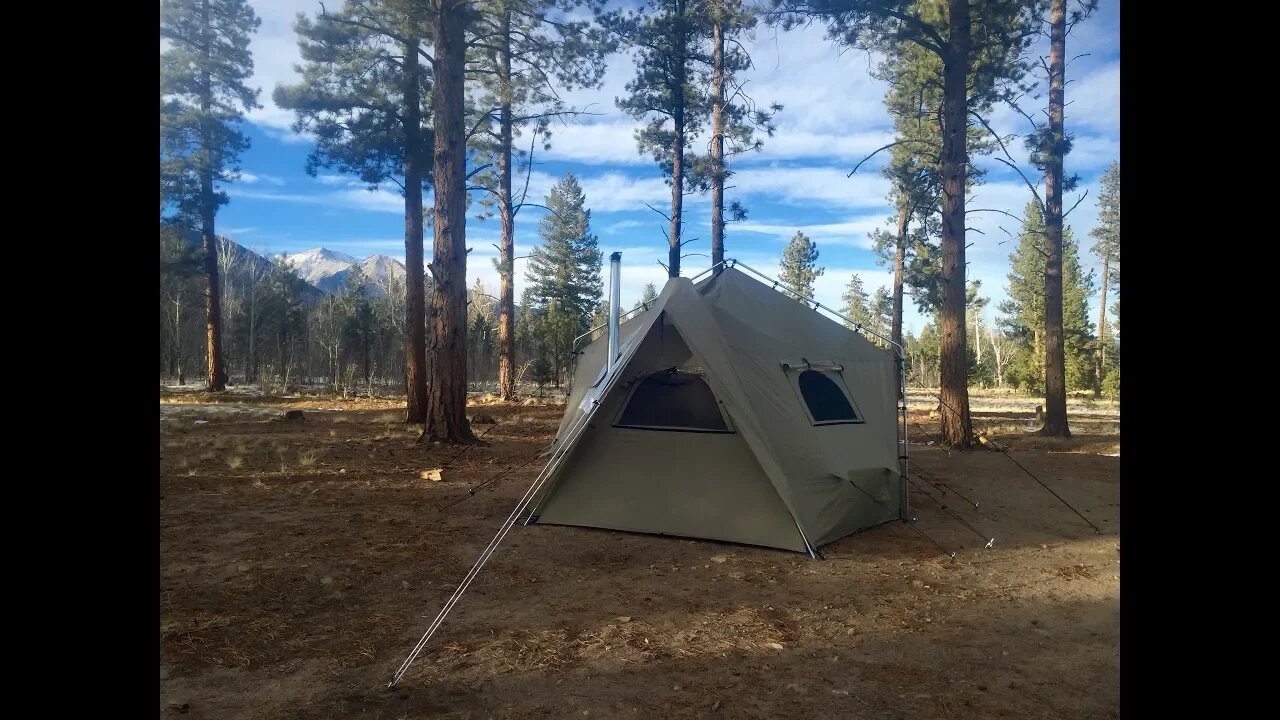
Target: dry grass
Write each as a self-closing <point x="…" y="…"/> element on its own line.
<point x="235" y="461"/>
<point x="290" y="591"/>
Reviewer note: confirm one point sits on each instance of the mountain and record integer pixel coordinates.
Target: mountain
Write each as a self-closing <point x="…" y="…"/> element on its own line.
<point x="378" y="271"/>
<point x="318" y="264"/>
<point x="245" y="260"/>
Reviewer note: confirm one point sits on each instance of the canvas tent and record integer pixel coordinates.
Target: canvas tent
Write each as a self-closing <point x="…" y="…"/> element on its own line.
<point x="733" y="412"/>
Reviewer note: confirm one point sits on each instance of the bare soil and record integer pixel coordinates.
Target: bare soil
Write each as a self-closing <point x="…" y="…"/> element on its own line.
<point x="301" y="561"/>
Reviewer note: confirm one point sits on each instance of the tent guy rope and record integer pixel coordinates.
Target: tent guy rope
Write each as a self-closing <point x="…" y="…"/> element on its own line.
<point x="1005" y="452"/>
<point x="521" y="506"/>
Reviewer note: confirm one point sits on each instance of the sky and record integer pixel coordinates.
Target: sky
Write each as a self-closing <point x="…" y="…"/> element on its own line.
<point x="832" y="117"/>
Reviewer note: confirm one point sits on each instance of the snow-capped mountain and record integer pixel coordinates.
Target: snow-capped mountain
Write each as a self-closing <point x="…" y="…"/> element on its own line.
<point x="318" y="264"/>
<point x="379" y="272"/>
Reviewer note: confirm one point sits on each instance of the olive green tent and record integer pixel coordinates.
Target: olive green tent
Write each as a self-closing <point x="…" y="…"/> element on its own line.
<point x="733" y="412"/>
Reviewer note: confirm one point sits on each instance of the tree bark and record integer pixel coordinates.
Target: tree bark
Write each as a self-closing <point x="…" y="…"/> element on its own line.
<point x="717" y="141"/>
<point x="506" y="249"/>
<point x="447" y="394"/>
<point x="677" y="150"/>
<point x="415" y="345"/>
<point x="1055" y="372"/>
<point x="899" y="271"/>
<point x="216" y="377"/>
<point x="1102" y="327"/>
<point x="957" y="425"/>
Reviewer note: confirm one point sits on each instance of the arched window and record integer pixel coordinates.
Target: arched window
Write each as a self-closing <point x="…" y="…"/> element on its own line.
<point x="825" y="399"/>
<point x="673" y="401"/>
<point x="820" y="385"/>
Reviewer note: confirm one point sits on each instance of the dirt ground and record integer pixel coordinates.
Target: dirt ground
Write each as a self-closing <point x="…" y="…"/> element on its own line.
<point x="301" y="561"/>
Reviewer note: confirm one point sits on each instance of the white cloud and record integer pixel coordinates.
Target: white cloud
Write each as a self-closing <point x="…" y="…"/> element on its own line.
<point x="275" y="51"/>
<point x="1093" y="101"/>
<point x="850" y="232"/>
<point x="822" y="186"/>
<point x="252" y="178"/>
<point x="595" y="143"/>
<point x="380" y="200"/>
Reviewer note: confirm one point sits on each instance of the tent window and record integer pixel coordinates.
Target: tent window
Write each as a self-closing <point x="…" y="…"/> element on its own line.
<point x="673" y="401"/>
<point x="826" y="398"/>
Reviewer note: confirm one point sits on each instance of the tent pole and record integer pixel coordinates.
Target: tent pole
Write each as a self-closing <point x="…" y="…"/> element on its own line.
<point x="525" y="501"/>
<point x="902" y="459"/>
<point x="615" y="295"/>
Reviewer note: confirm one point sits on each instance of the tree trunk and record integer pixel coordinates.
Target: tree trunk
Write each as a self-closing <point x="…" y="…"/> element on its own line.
<point x="957" y="425"/>
<point x="251" y="374"/>
<point x="1055" y="370"/>
<point x="717" y="142"/>
<point x="899" y="270"/>
<point x="447" y="395"/>
<point x="677" y="152"/>
<point x="177" y="338"/>
<point x="216" y="377"/>
<point x="1102" y="327"/>
<point x="415" y="345"/>
<point x="977" y="334"/>
<point x="506" y="250"/>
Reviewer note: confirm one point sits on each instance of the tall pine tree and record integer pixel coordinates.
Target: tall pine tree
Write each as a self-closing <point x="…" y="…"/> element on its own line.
<point x="563" y="273"/>
<point x="203" y="96"/>
<point x="365" y="96"/>
<point x="1024" y="312"/>
<point x="523" y="52"/>
<point x="734" y="116"/>
<point x="980" y="46"/>
<point x="1049" y="144"/>
<point x="856" y="306"/>
<point x="799" y="266"/>
<point x="1107" y="248"/>
<point x="671" y="41"/>
<point x="447" y="388"/>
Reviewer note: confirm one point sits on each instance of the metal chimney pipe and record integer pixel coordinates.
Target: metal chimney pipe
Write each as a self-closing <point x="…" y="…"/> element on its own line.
<point x="615" y="292"/>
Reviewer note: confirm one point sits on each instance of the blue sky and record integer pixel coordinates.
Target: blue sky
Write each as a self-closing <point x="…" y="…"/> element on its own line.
<point x="833" y="116"/>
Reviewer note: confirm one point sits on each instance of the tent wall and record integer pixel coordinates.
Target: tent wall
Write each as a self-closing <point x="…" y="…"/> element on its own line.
<point x="690" y="484"/>
<point x="837" y="479"/>
<point x="780" y="479"/>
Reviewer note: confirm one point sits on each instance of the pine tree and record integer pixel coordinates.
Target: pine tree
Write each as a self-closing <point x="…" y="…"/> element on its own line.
<point x="447" y="388"/>
<point x="361" y="330"/>
<point x="734" y="116"/>
<point x="671" y="40"/>
<point x="1024" y="312"/>
<point x="980" y="46"/>
<point x="1107" y="248"/>
<point x="856" y="307"/>
<point x="563" y="273"/>
<point x="882" y="312"/>
<point x="914" y="101"/>
<point x="979" y="372"/>
<point x="365" y="96"/>
<point x="203" y="95"/>
<point x="799" y="265"/>
<point x="522" y="48"/>
<point x="648" y="296"/>
<point x="1049" y="145"/>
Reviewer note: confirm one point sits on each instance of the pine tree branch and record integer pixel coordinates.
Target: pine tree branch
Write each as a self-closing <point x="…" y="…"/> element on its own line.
<point x="664" y="215"/>
<point x="528" y="175"/>
<point x="1002" y="212"/>
<point x="480" y="121"/>
<point x="1035" y="193"/>
<point x="1077" y="203"/>
<point x="541" y="116"/>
